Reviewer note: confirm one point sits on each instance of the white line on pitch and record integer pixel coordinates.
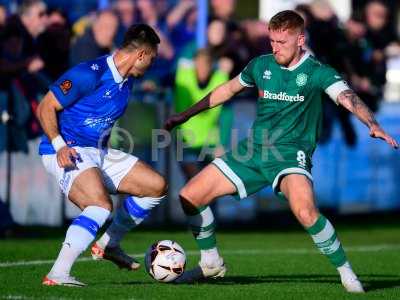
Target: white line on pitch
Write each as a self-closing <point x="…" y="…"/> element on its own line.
<point x="365" y="248"/>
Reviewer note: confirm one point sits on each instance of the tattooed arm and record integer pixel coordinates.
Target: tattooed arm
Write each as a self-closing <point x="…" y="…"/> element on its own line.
<point x="354" y="104"/>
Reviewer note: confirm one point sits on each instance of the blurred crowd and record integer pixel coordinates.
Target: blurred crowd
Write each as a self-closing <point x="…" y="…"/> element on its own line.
<point x="39" y="42"/>
<point x="358" y="49"/>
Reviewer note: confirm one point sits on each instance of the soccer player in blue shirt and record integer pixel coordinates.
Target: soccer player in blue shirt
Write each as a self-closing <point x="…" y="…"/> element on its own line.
<point x="77" y="115"/>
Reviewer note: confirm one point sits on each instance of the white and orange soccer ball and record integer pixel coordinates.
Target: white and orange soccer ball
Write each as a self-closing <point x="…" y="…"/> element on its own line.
<point x="165" y="260"/>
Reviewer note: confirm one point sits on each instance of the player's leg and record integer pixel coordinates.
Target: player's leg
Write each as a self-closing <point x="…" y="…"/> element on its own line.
<point x="297" y="188"/>
<point x="235" y="173"/>
<point x="87" y="191"/>
<point x="146" y="189"/>
<point x="195" y="197"/>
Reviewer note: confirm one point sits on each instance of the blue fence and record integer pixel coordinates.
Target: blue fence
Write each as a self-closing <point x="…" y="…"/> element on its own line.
<point x="363" y="178"/>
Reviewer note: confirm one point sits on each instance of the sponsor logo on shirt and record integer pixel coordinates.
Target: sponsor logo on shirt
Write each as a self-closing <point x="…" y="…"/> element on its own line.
<point x="282" y="96"/>
<point x="99" y="123"/>
<point x="65" y="86"/>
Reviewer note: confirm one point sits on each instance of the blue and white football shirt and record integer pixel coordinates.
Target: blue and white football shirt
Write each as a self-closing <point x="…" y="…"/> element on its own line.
<point x="94" y="95"/>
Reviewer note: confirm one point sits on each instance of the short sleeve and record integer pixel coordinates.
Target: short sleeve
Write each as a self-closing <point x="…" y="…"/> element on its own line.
<point x="331" y="82"/>
<point x="246" y="77"/>
<point x="74" y="84"/>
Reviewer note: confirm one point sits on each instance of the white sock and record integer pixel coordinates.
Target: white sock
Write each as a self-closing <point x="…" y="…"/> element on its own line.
<point x="79" y="235"/>
<point x="130" y="214"/>
<point x="210" y="257"/>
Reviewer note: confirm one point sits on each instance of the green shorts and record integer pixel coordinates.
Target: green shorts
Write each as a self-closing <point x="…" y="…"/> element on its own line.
<point x="251" y="167"/>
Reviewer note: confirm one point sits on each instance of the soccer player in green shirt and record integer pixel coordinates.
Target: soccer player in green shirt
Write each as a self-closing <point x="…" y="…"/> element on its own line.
<point x="278" y="152"/>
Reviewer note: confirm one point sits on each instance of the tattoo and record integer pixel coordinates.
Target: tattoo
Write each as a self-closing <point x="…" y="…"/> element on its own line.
<point x="353" y="103"/>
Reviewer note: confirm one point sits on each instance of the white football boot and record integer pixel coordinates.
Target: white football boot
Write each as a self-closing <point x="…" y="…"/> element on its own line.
<point x="215" y="270"/>
<point x="350" y="280"/>
<point x="62" y="280"/>
<point x="202" y="271"/>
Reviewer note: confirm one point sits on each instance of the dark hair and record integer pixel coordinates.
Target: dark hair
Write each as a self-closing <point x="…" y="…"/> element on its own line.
<point x="138" y="35"/>
<point x="287" y="19"/>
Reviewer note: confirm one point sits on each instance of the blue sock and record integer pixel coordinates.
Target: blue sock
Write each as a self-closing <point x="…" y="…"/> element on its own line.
<point x="130" y="214"/>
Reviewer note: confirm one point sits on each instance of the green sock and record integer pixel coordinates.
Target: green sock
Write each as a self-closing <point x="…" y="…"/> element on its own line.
<point x="324" y="237"/>
<point x="203" y="227"/>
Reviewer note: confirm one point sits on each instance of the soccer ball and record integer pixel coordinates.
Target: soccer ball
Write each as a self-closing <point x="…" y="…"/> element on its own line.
<point x="165" y="260"/>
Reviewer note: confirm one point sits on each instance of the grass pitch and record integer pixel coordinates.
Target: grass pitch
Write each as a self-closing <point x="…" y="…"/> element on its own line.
<point x="261" y="265"/>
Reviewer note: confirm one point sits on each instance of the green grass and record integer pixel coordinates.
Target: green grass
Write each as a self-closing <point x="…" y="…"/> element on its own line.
<point x="270" y="265"/>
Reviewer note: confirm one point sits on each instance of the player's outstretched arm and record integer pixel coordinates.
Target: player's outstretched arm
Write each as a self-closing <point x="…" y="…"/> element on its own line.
<point x="353" y="103"/>
<point x="218" y="96"/>
<point x="47" y="115"/>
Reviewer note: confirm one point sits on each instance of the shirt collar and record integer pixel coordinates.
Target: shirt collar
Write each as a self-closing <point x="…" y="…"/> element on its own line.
<point x="305" y="56"/>
<point x="110" y="62"/>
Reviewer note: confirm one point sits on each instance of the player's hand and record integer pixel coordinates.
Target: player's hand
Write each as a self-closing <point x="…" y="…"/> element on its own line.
<point x="66" y="157"/>
<point x="377" y="132"/>
<point x="174" y="121"/>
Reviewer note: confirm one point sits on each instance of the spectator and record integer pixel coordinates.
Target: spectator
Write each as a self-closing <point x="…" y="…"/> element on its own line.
<point x="181" y="23"/>
<point x="327" y="39"/>
<point x="358" y="53"/>
<point x="54" y="44"/>
<point x="223" y="9"/>
<point x="224" y="49"/>
<point x="382" y="39"/>
<point x="380" y="32"/>
<point x="194" y="79"/>
<point x="161" y="73"/>
<point x="18" y="48"/>
<point x="149" y="15"/>
<point x="126" y="12"/>
<point x="329" y="44"/>
<point x="98" y="39"/>
<point x="231" y="55"/>
<point x="163" y="7"/>
<point x="20" y="77"/>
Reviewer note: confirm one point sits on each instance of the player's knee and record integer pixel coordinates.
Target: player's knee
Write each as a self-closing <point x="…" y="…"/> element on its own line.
<point x="190" y="198"/>
<point x="189" y="205"/>
<point x="307" y="216"/>
<point x="185" y="195"/>
<point x="160" y="187"/>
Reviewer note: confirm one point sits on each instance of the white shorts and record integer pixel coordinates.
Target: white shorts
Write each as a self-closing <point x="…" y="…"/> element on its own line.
<point x="113" y="164"/>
